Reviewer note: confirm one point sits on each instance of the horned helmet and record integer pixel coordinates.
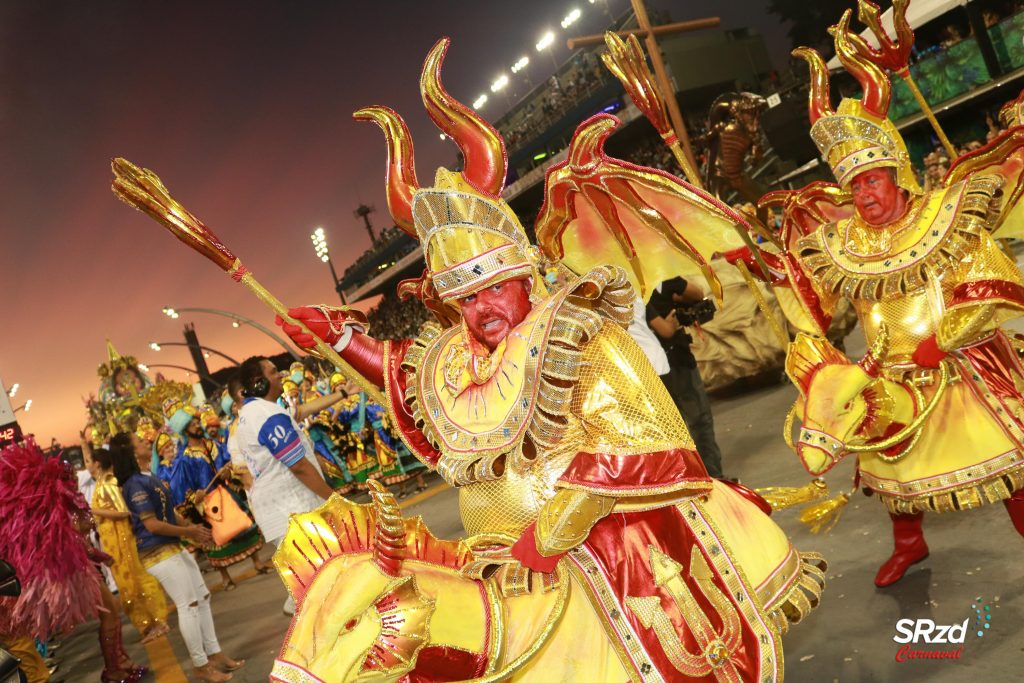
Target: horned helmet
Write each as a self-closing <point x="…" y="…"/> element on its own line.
<point x="858" y="135"/>
<point x="470" y="237"/>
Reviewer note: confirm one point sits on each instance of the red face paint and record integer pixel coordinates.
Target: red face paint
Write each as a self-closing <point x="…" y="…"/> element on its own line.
<point x="492" y="313"/>
<point x="879" y="200"/>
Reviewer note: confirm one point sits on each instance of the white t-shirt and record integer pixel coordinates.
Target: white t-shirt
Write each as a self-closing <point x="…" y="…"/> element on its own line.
<point x="643" y="335"/>
<point x="270" y="442"/>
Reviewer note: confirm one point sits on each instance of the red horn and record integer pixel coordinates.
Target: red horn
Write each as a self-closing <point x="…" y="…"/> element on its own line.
<point x="401" y="174"/>
<point x="481" y="145"/>
<point x="819" y="103"/>
<point x="873" y="81"/>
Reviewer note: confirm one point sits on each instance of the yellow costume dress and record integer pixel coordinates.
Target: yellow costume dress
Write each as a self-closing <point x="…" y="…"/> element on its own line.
<point x="141" y="595"/>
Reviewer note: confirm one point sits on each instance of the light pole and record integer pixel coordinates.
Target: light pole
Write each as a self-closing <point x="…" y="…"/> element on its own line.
<point x="236" y="319"/>
<point x="521" y="65"/>
<point x="156" y="346"/>
<point x="13" y="390"/>
<point x="545" y="43"/>
<point x="26" y="406"/>
<point x="322" y="253"/>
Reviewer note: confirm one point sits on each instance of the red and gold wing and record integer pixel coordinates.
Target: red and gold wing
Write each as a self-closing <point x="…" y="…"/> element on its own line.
<point x="806" y="209"/>
<point x="603" y="211"/>
<point x="1003" y="156"/>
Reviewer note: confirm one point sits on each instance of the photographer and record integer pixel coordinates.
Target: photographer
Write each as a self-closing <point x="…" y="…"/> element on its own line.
<point x="675" y="305"/>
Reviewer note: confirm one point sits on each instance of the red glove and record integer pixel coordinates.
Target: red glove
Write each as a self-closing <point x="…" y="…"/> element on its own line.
<point x="326" y="322"/>
<point x="525" y="550"/>
<point x="928" y="353"/>
<point x="741" y="254"/>
<point x="771" y="260"/>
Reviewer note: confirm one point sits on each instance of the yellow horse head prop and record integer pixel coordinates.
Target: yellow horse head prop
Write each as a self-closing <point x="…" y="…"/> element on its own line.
<point x="851" y="407"/>
<point x="343" y="565"/>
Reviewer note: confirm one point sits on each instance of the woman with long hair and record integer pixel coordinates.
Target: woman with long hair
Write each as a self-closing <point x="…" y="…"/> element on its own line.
<point x="158" y="534"/>
<point x="141" y="595"/>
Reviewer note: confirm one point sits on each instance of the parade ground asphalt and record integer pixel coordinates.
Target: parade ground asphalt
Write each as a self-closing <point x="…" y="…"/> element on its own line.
<point x="976" y="563"/>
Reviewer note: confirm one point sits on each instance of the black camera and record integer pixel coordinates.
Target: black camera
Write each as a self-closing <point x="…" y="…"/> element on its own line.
<point x="699" y="313"/>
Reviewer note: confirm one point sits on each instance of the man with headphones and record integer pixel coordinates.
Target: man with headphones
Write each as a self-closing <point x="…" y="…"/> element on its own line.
<point x="286" y="478"/>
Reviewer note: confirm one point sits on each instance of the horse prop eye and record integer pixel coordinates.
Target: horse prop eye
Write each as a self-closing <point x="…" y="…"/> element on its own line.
<point x="351" y="624"/>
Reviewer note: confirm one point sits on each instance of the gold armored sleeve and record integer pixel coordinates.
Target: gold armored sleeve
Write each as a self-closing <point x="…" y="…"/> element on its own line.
<point x="993" y="276"/>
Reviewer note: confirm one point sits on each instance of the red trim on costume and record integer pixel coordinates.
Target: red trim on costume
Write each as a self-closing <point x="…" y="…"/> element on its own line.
<point x="982" y="290"/>
<point x="443" y="663"/>
<point x="397" y="381"/>
<point x="644" y="471"/>
<point x="619" y="546"/>
<point x="801" y="284"/>
<point x="366" y="355"/>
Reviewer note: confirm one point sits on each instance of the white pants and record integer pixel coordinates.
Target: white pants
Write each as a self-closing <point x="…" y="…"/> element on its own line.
<point x="181" y="578"/>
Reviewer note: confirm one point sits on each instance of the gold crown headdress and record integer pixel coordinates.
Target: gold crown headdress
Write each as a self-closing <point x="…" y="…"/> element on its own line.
<point x="858" y="136"/>
<point x="115" y="362"/>
<point x="471" y="239"/>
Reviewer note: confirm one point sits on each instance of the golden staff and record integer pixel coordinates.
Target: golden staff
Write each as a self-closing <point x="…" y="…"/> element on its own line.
<point x="141" y="189"/>
<point x="626" y="60"/>
<point x="895" y="55"/>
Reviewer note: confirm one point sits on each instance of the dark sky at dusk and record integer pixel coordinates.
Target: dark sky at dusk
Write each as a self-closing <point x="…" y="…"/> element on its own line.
<point x="244" y="110"/>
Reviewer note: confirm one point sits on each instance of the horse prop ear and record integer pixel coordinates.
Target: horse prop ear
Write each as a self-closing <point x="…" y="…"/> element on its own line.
<point x="806" y="356"/>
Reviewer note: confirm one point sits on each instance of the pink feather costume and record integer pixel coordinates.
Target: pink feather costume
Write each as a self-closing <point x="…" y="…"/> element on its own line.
<point x="42" y="514"/>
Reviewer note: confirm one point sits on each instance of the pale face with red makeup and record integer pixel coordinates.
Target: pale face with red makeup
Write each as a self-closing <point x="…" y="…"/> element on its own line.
<point x="879" y="200"/>
<point x="492" y="313"/>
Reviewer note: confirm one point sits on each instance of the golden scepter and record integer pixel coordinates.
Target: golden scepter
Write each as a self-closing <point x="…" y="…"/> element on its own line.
<point x="893" y="55"/>
<point x="626" y="60"/>
<point x="140" y="188"/>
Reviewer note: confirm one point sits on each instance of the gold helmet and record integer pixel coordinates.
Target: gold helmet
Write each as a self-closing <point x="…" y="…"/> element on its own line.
<point x="858" y="136"/>
<point x="470" y="237"/>
<point x="146" y="429"/>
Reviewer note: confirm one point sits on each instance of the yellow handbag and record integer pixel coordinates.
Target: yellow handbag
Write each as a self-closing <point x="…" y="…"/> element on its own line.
<point x="225" y="517"/>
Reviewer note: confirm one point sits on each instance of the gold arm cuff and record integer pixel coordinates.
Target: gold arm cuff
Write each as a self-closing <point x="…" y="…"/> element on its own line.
<point x="565" y="521"/>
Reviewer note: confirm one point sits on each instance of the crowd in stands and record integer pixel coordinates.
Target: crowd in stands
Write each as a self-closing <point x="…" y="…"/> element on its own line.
<point x="931" y="39"/>
<point x="548" y="104"/>
<point x="384" y="240"/>
<point x="392" y="318"/>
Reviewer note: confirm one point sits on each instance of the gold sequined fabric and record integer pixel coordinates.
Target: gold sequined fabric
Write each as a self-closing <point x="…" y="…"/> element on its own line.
<point x="141" y="596"/>
<point x="619" y="406"/>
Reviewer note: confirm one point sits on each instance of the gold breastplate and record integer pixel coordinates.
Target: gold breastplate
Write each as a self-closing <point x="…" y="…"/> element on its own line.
<point x="509" y="503"/>
<point x="910" y="320"/>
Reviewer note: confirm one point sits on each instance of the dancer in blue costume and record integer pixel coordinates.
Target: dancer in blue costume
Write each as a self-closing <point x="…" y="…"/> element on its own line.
<point x="198" y="464"/>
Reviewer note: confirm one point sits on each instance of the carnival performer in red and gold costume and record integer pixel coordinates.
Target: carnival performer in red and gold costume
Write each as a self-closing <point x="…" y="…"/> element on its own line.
<point x="934" y="412"/>
<point x="599" y="548"/>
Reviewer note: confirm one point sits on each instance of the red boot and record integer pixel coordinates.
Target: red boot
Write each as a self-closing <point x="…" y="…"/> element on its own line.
<point x="1015" y="507"/>
<point x="909" y="549"/>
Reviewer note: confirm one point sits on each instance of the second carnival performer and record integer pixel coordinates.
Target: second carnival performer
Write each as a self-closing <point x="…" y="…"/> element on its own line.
<point x="599" y="548"/>
<point x="934" y="412"/>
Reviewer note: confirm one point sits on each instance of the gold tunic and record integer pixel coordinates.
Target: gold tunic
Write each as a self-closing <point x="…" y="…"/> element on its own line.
<point x="569" y="379"/>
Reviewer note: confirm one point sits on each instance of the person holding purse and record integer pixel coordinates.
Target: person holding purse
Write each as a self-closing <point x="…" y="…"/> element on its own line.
<point x="158" y="534"/>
